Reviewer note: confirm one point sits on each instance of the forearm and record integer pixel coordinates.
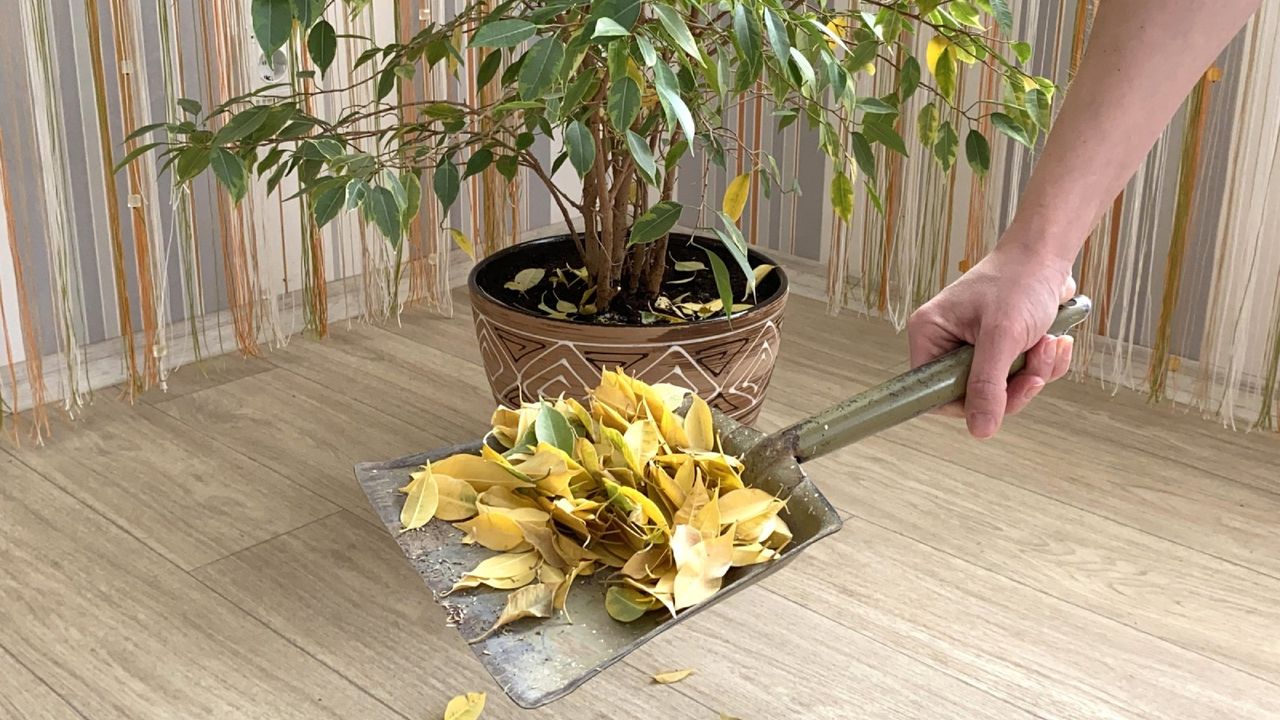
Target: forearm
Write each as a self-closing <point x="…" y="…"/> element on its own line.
<point x="1143" y="58"/>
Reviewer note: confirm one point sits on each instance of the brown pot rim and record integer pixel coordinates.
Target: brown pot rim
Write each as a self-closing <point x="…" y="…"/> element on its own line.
<point x="766" y="307"/>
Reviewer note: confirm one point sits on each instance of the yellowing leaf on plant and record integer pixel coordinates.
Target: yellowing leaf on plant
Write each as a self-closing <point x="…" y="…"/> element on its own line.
<point x="736" y="195"/>
<point x="936" y="45"/>
<point x="762" y="271"/>
<point x="529" y="601"/>
<point x="526" y="279"/>
<point x="493" y="531"/>
<point x="674" y="676"/>
<point x="838" y="28"/>
<point x="420" y="505"/>
<point x="698" y="425"/>
<point x="465" y="707"/>
<point x="463" y="242"/>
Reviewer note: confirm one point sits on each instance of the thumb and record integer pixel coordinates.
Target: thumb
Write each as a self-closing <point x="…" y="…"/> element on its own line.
<point x="987" y="393"/>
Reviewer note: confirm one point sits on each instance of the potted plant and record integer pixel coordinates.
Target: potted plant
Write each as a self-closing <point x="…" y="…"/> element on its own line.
<point x="625" y="90"/>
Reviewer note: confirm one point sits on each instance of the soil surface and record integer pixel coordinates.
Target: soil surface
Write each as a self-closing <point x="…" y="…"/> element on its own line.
<point x="560" y="258"/>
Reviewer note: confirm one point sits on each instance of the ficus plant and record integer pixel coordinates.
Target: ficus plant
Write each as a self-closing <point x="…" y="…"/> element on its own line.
<point x="625" y="90"/>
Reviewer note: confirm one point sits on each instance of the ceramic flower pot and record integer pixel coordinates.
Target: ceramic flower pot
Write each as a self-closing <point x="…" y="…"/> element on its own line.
<point x="528" y="355"/>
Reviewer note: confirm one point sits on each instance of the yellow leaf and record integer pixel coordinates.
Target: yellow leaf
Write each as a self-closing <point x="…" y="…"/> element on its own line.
<point x="481" y="473"/>
<point x="698" y="425"/>
<point x="499" y="567"/>
<point x="726" y="716"/>
<point x="735" y="196"/>
<point x="529" y="601"/>
<point x="457" y="498"/>
<point x="667" y="485"/>
<point x="648" y="507"/>
<point x="674" y="676"/>
<point x="463" y="243"/>
<point x="869" y="68"/>
<point x="762" y="271"/>
<point x="650" y="563"/>
<point x="752" y="554"/>
<point x="934" y="51"/>
<point x="643" y="439"/>
<point x="465" y="707"/>
<point x="838" y="26"/>
<point x="745" y="504"/>
<point x="493" y="531"/>
<point x="420" y="506"/>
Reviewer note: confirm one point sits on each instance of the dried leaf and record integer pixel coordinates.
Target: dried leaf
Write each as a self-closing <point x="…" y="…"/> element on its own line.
<point x="744" y="504"/>
<point x="457" y="498"/>
<point x="762" y="271"/>
<point x="698" y="426"/>
<point x="526" y="279"/>
<point x="689" y="266"/>
<point x="465" y="707"/>
<point x="529" y="601"/>
<point x="494" y="531"/>
<point x="499" y="568"/>
<point x="420" y="506"/>
<point x="481" y="473"/>
<point x="674" y="676"/>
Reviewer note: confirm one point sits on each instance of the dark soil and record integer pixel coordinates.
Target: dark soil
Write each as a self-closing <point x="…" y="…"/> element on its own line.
<point x="677" y="285"/>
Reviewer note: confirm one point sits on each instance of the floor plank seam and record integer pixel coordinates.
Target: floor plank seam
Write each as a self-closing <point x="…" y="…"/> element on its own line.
<point x="264" y="541"/>
<point x="214" y="438"/>
<point x="903" y="653"/>
<point x="21" y="663"/>
<point x="1100" y="516"/>
<point x="1068" y="601"/>
<point x="362" y="689"/>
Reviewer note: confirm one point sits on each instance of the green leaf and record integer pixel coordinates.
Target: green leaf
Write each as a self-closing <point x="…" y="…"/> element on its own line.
<point x="507" y="166"/>
<point x="607" y="28"/>
<point x="1011" y="128"/>
<point x="1038" y="107"/>
<point x="552" y="428"/>
<point x="476" y="164"/>
<point x="583" y="86"/>
<point x="242" y="124"/>
<point x="386" y="82"/>
<point x="488" y="68"/>
<point x="644" y="159"/>
<point x="803" y="66"/>
<point x="674" y="153"/>
<point x="581" y="146"/>
<point x="965" y="13"/>
<point x="270" y="160"/>
<point x="863" y="155"/>
<point x="669" y="96"/>
<point x="137" y="153"/>
<point x="863" y="54"/>
<point x="842" y="195"/>
<point x="328" y="202"/>
<point x="191" y="162"/>
<point x="624" y="103"/>
<point x="876" y="106"/>
<point x="647" y="52"/>
<point x="146" y="129"/>
<point x="1004" y="16"/>
<point x="1022" y="51"/>
<point x="446" y="183"/>
<point x="909" y="79"/>
<point x="308" y="11"/>
<point x="413" y="198"/>
<point x="623" y="12"/>
<point x="322" y="45"/>
<point x="392" y="182"/>
<point x="385" y="212"/>
<point x="978" y="152"/>
<point x="191" y="107"/>
<point x="746" y="30"/>
<point x="723" y="286"/>
<point x="733" y="241"/>
<point x="927" y="124"/>
<point x="230" y="171"/>
<point x="503" y="33"/>
<point x="655" y="223"/>
<point x="675" y="26"/>
<point x="272" y="23"/>
<point x="778" y="38"/>
<point x="356" y="191"/>
<point x="945" y="73"/>
<point x="945" y="148"/>
<point x="883" y="133"/>
<point x="540" y="69"/>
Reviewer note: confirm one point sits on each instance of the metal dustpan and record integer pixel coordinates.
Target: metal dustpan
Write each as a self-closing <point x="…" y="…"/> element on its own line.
<point x="539" y="661"/>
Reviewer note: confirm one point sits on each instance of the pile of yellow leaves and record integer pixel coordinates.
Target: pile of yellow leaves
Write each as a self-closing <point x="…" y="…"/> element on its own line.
<point x="626" y="485"/>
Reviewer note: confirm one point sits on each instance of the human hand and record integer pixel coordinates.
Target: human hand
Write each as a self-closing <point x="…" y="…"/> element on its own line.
<point x="1003" y="306"/>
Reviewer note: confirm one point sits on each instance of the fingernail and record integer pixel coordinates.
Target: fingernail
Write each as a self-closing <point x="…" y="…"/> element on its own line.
<point x="981" y="425"/>
<point x="1036" y="386"/>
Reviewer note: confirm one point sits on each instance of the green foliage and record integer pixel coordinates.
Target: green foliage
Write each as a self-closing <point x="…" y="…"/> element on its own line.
<point x="631" y="87"/>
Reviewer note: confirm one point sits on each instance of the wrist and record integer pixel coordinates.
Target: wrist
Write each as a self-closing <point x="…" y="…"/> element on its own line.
<point x="1042" y="240"/>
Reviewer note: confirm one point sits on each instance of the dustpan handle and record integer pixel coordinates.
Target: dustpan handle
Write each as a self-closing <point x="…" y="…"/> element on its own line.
<point x="913" y="393"/>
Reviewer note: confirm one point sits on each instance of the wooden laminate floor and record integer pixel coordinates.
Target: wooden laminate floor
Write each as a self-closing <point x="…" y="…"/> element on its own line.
<point x="207" y="554"/>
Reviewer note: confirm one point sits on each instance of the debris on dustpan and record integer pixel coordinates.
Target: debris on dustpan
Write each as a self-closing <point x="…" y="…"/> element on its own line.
<point x="624" y="485"/>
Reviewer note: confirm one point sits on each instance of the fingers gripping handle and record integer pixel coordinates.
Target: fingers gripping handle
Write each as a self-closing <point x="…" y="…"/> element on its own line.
<point x="913" y="393"/>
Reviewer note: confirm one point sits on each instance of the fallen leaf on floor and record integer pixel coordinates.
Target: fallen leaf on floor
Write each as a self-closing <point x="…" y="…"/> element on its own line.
<point x="465" y="707"/>
<point x="725" y="716"/>
<point x="675" y="676"/>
